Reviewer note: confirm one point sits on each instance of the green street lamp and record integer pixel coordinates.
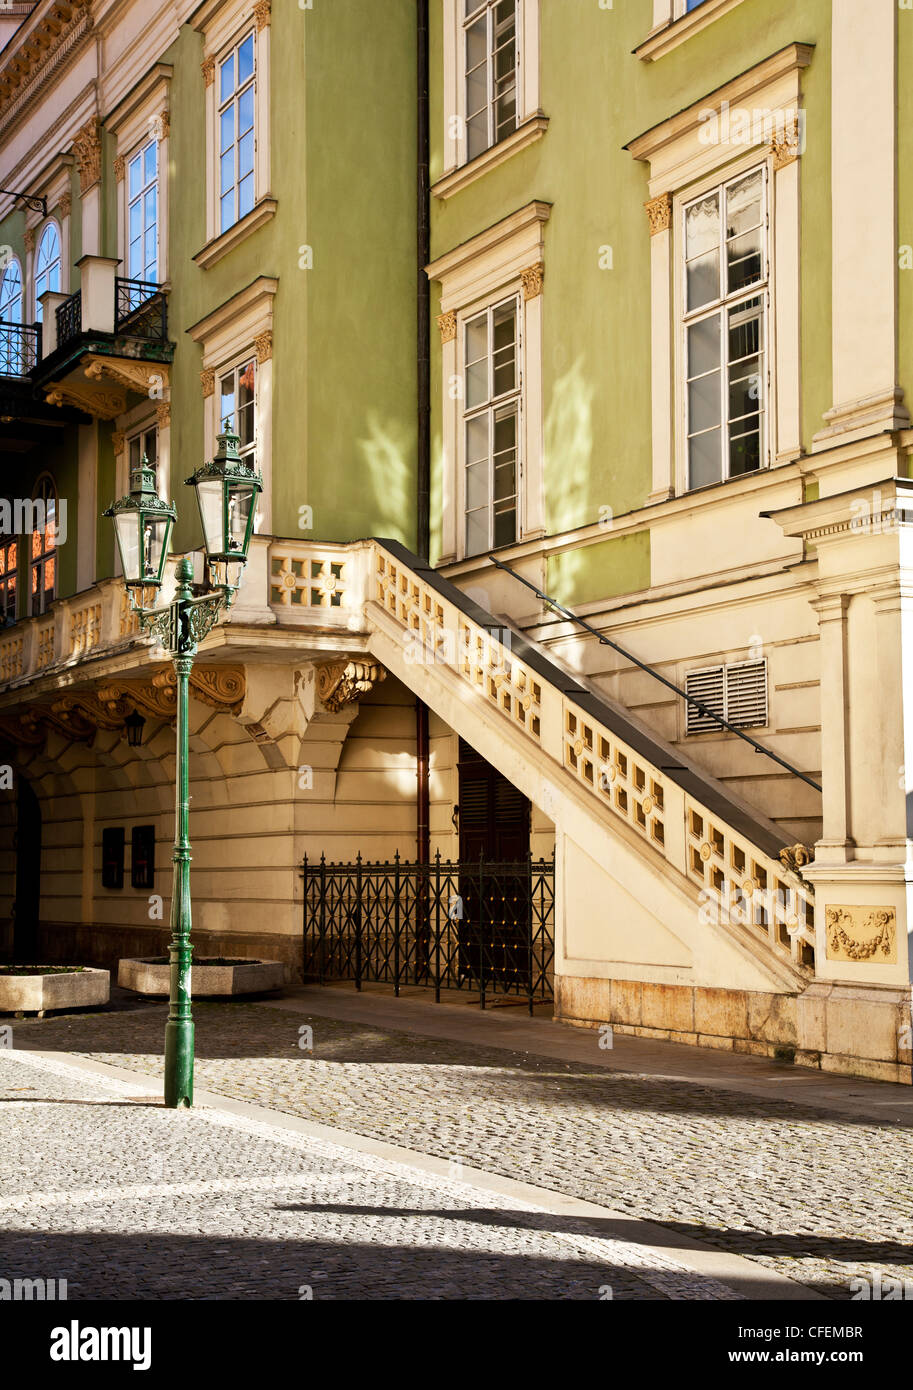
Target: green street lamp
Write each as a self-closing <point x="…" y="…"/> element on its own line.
<point x="226" y="492"/>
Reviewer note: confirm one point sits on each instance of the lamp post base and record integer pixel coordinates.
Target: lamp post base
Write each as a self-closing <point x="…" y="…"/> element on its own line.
<point x="179" y="1063"/>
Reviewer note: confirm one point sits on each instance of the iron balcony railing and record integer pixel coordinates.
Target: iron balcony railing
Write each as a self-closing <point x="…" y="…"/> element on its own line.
<point x="20" y="347"/>
<point x="69" y="318"/>
<point x="140" y="309"/>
<point x="484" y="926"/>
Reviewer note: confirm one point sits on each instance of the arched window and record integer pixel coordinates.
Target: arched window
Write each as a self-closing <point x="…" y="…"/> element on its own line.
<point x="11" y="293"/>
<point x="12" y="357"/>
<point x="47" y="265"/>
<point x="43" y="558"/>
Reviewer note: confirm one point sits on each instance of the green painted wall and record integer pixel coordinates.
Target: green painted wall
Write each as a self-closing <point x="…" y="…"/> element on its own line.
<point x="596" y="322"/>
<point x="620" y="565"/>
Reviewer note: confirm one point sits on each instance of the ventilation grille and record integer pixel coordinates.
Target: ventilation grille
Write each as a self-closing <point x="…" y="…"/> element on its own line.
<point x="738" y="693"/>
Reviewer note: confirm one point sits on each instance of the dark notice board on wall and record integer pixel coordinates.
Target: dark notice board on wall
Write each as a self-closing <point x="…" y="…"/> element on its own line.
<point x="112" y="857"/>
<point x="142" y="858"/>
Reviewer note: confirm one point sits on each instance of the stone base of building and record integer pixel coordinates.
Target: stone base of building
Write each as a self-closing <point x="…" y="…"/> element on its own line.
<point x="852" y="1030"/>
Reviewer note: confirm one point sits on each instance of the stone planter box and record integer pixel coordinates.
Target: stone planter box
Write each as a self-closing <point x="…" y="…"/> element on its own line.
<point x="37" y="992"/>
<point x="217" y="978"/>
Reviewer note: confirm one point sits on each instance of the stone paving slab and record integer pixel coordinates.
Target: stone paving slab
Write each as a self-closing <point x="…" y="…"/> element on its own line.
<point x="106" y="1189"/>
<point x="818" y="1197"/>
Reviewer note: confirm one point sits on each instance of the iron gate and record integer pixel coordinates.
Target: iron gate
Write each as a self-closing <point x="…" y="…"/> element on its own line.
<point x="476" y="926"/>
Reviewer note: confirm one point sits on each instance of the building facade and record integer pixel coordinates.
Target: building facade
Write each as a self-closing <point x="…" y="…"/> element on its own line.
<point x="529" y="313"/>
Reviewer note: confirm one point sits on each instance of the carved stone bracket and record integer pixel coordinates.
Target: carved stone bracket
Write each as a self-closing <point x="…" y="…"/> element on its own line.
<point x="531" y="279"/>
<point x="207" y="382"/>
<point x="262" y="13"/>
<point x="208" y="69"/>
<point x="795" y="857"/>
<point x="120" y="168"/>
<point x="340" y="683"/>
<point x="263" y="345"/>
<point x="140" y="377"/>
<point x="786" y="147"/>
<point x="659" y="213"/>
<point x="87" y="149"/>
<point x="101" y="404"/>
<point x="447" y="323"/>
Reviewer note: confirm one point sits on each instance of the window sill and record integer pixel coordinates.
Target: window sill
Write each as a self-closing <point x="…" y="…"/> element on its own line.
<point x="677" y="31"/>
<point x="525" y="135"/>
<point x="220" y="246"/>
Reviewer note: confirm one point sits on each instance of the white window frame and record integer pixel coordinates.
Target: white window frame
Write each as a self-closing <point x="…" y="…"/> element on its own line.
<point x="530" y="123"/>
<point x="233" y="368"/>
<point x="486" y="12"/>
<point x="489" y="410"/>
<point x="224" y="24"/>
<point x="6" y="544"/>
<point x="233" y="104"/>
<point x="144" y="116"/>
<point x="139" y="153"/>
<point x="142" y="434"/>
<point x="20" y="295"/>
<point x="42" y="233"/>
<point x="722" y="306"/>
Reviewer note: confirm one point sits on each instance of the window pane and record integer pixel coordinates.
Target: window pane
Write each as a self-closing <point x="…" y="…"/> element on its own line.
<point x="504" y="332"/>
<point x="227" y="129"/>
<point x="246" y="196"/>
<point x="245" y="60"/>
<point x="744" y="262"/>
<point x="477" y="135"/>
<point x="744" y="447"/>
<point x="476" y="486"/>
<point x="227" y="78"/>
<point x="704" y="402"/>
<point x="150" y="203"/>
<point x="227" y="166"/>
<point x="136" y="219"/>
<point x="135" y="454"/>
<point x="476" y="532"/>
<point x="246" y="111"/>
<point x="476" y="361"/>
<point x="227" y="399"/>
<point x="476" y="440"/>
<point x="136" y="175"/>
<point x="227" y="213"/>
<point x="704" y="346"/>
<point x="505" y="526"/>
<point x="702" y="240"/>
<point x="246" y="154"/>
<point x="149" y="161"/>
<point x="705" y="464"/>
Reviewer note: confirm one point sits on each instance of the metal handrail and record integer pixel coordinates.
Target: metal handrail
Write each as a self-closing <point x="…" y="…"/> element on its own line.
<point x="557" y="607"/>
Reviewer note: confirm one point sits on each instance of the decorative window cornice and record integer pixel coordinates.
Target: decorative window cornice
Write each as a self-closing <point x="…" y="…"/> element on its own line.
<point x="37" y="51"/>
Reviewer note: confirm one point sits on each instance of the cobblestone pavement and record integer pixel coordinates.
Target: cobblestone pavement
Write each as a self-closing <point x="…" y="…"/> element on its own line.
<point x="123" y="1199"/>
<point x="820" y="1197"/>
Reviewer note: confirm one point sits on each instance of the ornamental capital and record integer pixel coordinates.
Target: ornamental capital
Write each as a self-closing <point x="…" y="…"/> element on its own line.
<point x="262" y="13"/>
<point x="785" y="146"/>
<point x="120" y="168"/>
<point x="263" y="344"/>
<point x="531" y="279"/>
<point x="208" y="69"/>
<point x="87" y="149"/>
<point x="118" y="440"/>
<point x="659" y="213"/>
<point x="207" y="382"/>
<point x="163" y="415"/>
<point x="65" y="206"/>
<point x="447" y="323"/>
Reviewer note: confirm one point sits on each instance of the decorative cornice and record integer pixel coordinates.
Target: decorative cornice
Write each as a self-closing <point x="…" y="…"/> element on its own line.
<point x="263" y="343"/>
<point x="447" y="323"/>
<point x="120" y="168"/>
<point x="134" y="375"/>
<point x="50" y="45"/>
<point x="262" y="13"/>
<point x="531" y="279"/>
<point x="659" y="213"/>
<point x="208" y="69"/>
<point x="341" y="683"/>
<point x="87" y="149"/>
<point x="207" y="382"/>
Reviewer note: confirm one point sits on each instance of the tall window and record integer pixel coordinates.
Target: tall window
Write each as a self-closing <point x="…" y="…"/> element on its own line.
<point x="725" y="319"/>
<point x="236" y="134"/>
<point x="237" y="403"/>
<point x="11" y="293"/>
<point x="144" y="445"/>
<point x="47" y="265"/>
<point x="491" y="426"/>
<point x="43" y="559"/>
<point x="9" y="553"/>
<point x="143" y="215"/>
<point x="490" y="35"/>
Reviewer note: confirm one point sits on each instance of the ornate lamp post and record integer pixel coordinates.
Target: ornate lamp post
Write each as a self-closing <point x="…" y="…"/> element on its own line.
<point x="226" y="492"/>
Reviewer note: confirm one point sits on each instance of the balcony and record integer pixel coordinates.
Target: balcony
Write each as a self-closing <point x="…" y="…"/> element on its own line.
<point x="20" y="348"/>
<point x="102" y="343"/>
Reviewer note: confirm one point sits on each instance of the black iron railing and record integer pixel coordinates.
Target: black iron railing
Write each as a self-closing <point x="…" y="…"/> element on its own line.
<point x="481" y="927"/>
<point x="69" y="318"/>
<point x="20" y="347"/>
<point x="140" y="309"/>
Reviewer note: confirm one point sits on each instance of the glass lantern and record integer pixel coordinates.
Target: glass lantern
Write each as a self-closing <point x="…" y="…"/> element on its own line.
<point x="143" y="524"/>
<point x="227" y="490"/>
